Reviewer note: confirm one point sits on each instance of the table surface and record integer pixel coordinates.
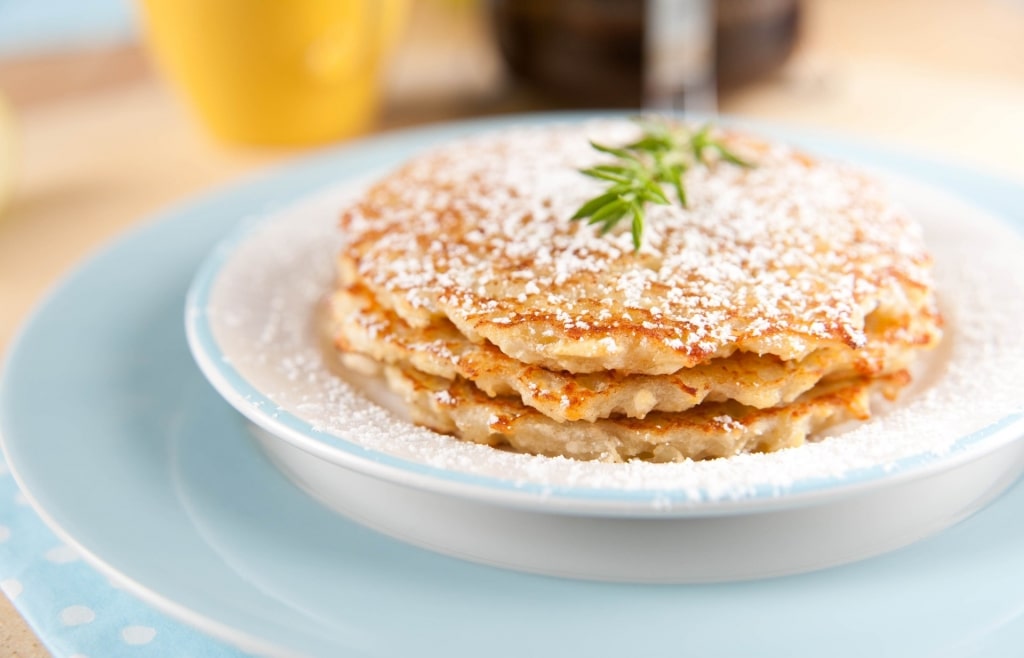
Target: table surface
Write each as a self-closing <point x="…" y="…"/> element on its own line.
<point x="941" y="77"/>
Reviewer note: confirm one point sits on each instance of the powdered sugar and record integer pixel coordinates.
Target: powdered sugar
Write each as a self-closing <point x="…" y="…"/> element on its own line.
<point x="261" y="313"/>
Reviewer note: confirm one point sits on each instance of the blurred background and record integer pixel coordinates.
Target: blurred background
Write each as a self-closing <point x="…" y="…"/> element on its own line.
<point x="111" y="110"/>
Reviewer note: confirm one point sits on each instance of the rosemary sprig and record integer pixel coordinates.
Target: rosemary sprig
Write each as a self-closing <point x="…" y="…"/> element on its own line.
<point x="662" y="155"/>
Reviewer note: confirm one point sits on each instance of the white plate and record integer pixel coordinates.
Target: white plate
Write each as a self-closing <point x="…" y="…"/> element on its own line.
<point x="883" y="483"/>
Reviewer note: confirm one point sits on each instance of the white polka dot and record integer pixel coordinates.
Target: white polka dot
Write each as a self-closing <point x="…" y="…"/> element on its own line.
<point x="138" y="634"/>
<point x="11" y="587"/>
<point x="76" y="615"/>
<point x="5" y="533"/>
<point x="20" y="499"/>
<point x="61" y="554"/>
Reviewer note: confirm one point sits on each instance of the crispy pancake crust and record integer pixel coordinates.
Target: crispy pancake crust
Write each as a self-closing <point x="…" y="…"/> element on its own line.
<point x="358" y="324"/>
<point x="710" y="430"/>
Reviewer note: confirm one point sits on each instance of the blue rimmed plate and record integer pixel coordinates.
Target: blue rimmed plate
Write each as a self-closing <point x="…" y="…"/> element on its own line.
<point x="125" y="450"/>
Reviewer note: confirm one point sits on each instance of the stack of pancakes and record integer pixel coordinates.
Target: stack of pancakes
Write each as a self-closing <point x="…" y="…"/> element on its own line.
<point x="769" y="308"/>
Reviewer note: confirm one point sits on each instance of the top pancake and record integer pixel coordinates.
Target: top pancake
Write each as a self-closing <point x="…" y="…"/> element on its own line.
<point x="785" y="258"/>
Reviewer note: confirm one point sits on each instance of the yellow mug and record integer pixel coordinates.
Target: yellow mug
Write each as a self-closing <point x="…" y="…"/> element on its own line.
<point x="276" y="72"/>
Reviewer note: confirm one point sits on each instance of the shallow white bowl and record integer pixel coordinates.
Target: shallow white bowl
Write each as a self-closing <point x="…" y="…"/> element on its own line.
<point x="707" y="548"/>
<point x="947" y="448"/>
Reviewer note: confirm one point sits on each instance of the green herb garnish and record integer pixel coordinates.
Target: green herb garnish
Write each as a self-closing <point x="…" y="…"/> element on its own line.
<point x="660" y="157"/>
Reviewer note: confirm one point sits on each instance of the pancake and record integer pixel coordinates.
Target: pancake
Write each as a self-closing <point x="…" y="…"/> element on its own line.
<point x="358" y="324"/>
<point x="787" y="258"/>
<point x="710" y="430"/>
<point x="765" y="309"/>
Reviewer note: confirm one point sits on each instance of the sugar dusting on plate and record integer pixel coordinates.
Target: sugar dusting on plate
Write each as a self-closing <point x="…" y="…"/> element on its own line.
<point x="262" y="313"/>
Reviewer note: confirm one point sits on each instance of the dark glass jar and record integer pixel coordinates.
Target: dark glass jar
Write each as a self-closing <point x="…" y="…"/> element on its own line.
<point x="591" y="53"/>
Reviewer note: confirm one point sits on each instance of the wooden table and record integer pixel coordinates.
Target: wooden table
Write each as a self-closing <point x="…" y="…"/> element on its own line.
<point x="943" y="77"/>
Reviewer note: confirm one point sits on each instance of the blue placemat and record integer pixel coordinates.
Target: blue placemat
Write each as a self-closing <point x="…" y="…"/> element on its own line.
<point x="76" y="611"/>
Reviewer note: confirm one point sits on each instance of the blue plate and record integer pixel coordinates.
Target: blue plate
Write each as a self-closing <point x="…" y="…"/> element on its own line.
<point x="129" y="454"/>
